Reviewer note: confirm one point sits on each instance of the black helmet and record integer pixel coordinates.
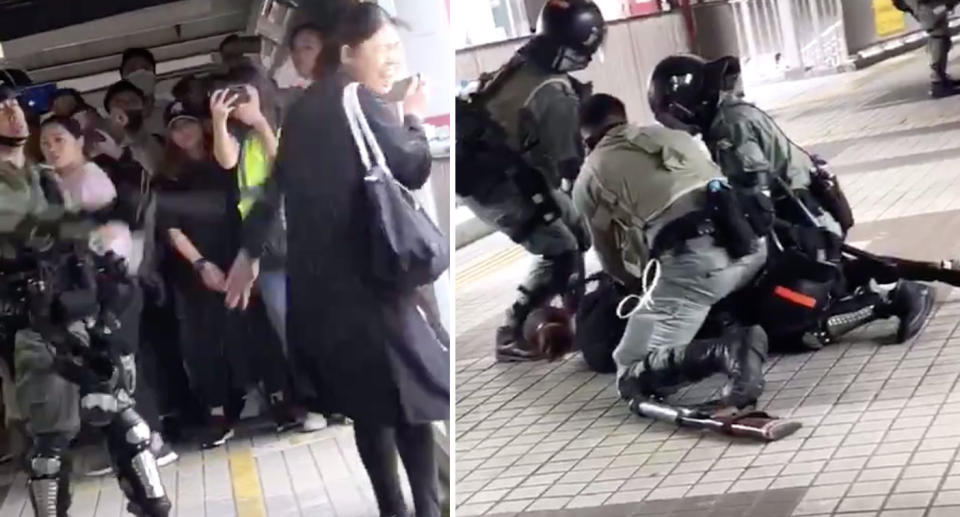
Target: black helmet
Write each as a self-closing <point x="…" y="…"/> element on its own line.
<point x="684" y="89"/>
<point x="570" y="32"/>
<point x="678" y="92"/>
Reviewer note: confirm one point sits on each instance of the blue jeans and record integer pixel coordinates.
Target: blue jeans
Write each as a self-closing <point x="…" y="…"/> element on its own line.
<point x="273" y="290"/>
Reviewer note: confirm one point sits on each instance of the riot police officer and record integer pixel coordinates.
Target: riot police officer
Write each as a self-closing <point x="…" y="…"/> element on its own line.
<point x="648" y="194"/>
<point x="536" y="102"/>
<point x="49" y="402"/>
<point x="934" y="16"/>
<point x="700" y="97"/>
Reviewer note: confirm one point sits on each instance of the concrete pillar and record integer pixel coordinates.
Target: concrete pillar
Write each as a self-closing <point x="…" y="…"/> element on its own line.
<point x="715" y="39"/>
<point x="746" y="18"/>
<point x="791" y="45"/>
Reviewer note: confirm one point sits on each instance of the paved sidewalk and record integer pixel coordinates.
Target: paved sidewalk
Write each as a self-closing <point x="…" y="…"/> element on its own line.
<point x="881" y="422"/>
<point x="257" y="474"/>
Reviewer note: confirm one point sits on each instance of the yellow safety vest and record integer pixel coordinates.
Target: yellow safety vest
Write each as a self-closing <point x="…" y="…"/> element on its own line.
<point x="253" y="173"/>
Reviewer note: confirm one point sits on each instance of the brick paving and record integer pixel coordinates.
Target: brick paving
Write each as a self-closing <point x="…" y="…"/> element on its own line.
<point x="881" y="422"/>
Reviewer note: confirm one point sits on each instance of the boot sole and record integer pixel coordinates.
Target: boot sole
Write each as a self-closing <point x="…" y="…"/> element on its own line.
<point x="780" y="429"/>
<point x="504" y="358"/>
<point x="928" y="303"/>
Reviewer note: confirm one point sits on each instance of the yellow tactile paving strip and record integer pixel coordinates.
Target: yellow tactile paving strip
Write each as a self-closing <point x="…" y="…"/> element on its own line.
<point x="478" y="269"/>
<point x="247" y="492"/>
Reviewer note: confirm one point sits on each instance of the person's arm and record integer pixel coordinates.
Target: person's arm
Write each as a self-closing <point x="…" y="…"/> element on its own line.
<point x="184" y="246"/>
<point x="210" y="274"/>
<point x="741" y="157"/>
<point x="555" y="113"/>
<point x="226" y="148"/>
<point x="268" y="136"/>
<point x="404" y="144"/>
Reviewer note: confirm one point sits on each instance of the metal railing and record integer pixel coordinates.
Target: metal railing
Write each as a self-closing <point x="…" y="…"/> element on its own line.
<point x="780" y="36"/>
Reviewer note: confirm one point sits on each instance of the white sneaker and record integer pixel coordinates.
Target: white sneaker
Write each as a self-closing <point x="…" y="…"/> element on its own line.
<point x="314" y="422"/>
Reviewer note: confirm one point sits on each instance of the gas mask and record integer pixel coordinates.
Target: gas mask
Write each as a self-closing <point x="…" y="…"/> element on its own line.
<point x="145" y="80"/>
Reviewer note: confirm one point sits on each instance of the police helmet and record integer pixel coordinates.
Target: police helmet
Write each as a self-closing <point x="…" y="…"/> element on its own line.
<point x="574" y="30"/>
<point x="678" y="92"/>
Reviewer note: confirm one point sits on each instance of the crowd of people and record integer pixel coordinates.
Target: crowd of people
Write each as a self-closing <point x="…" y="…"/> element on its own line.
<point x="237" y="206"/>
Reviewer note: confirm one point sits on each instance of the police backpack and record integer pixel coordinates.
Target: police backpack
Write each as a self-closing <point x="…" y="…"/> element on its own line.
<point x="483" y="154"/>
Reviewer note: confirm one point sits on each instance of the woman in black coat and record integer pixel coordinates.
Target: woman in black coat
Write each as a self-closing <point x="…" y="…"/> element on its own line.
<point x="373" y="355"/>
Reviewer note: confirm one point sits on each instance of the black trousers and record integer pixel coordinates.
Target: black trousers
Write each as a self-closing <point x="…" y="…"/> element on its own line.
<point x="211" y="340"/>
<point x="378" y="446"/>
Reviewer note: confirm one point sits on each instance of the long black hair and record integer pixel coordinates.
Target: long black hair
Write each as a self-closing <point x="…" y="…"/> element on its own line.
<point x="67" y="123"/>
<point x="356" y="24"/>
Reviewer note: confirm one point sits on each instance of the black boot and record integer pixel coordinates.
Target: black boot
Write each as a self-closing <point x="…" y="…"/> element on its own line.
<point x="740" y="354"/>
<point x="660" y="377"/>
<point x="912" y="302"/>
<point x="944" y="88"/>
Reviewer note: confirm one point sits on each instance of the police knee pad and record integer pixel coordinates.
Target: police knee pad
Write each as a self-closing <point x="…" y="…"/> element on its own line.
<point x="98" y="409"/>
<point x="46" y="459"/>
<point x="45" y="466"/>
<point x="138" y="436"/>
<point x="140" y="481"/>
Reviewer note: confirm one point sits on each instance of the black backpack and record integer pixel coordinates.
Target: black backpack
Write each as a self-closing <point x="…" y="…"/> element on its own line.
<point x="483" y="153"/>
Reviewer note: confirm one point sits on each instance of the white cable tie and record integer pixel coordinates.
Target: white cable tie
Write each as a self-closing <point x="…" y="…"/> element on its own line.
<point x="644" y="301"/>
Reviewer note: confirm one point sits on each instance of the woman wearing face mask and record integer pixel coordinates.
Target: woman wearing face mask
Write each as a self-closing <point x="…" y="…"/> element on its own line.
<point x="342" y="324"/>
<point x="197" y="214"/>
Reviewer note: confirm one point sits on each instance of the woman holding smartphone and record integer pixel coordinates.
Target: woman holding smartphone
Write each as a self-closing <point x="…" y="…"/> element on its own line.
<point x="343" y="325"/>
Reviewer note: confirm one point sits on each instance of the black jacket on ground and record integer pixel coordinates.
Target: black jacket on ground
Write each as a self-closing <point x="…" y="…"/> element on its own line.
<point x="343" y="327"/>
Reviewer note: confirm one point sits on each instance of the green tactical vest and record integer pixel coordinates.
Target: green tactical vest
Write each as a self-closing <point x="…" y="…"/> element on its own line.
<point x="516" y="94"/>
<point x="638" y="176"/>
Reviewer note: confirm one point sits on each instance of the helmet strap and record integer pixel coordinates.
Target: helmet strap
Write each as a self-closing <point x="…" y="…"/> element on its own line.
<point x="9" y="141"/>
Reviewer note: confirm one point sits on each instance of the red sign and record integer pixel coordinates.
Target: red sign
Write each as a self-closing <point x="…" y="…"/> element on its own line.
<point x="642" y="7"/>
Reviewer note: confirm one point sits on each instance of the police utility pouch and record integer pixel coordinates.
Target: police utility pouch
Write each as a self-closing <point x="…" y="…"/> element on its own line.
<point x="734" y="232"/>
<point x="408" y="249"/>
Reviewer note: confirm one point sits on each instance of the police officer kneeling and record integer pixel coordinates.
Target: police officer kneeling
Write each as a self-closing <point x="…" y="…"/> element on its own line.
<point x="648" y="194"/>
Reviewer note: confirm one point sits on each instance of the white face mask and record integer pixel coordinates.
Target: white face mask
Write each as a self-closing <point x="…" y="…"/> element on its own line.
<point x="145" y="80"/>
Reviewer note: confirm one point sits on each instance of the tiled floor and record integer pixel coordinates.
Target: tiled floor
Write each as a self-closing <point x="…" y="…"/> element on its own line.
<point x="256" y="475"/>
<point x="881" y="422"/>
